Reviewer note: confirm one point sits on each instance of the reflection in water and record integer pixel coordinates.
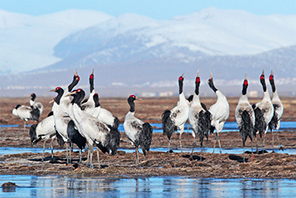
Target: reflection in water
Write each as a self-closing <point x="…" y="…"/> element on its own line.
<point x="60" y="186"/>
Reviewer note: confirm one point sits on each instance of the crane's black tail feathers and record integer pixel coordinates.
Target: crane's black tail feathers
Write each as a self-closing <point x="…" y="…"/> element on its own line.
<point x="204" y="124"/>
<point x="60" y="140"/>
<point x="50" y="114"/>
<point x="212" y="128"/>
<point x="113" y="140"/>
<point x="33" y="135"/>
<point x="274" y="121"/>
<point x="35" y="114"/>
<point x="75" y="136"/>
<point x="260" y="124"/>
<point x="168" y="126"/>
<point x="104" y="149"/>
<point x="246" y="126"/>
<point x="145" y="137"/>
<point x="116" y="122"/>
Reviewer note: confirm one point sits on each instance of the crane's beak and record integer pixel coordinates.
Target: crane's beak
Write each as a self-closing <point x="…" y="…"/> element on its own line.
<point x="71" y="93"/>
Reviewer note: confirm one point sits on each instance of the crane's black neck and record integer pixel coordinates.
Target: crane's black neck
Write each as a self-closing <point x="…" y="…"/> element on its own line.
<point x="211" y="84"/>
<point x="262" y="80"/>
<point x="245" y="87"/>
<point x="132" y="104"/>
<point x="91" y="82"/>
<point x="81" y="97"/>
<point x="197" y="83"/>
<point x="97" y="101"/>
<point x="73" y="83"/>
<point x="59" y="96"/>
<point x="271" y="80"/>
<point x="181" y="85"/>
<point x="78" y="97"/>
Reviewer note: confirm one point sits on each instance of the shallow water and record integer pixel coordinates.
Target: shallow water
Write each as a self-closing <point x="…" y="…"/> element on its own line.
<point x="60" y="186"/>
<point x="228" y="126"/>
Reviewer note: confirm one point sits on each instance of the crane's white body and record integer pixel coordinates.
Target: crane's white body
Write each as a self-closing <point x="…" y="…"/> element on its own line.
<point x="267" y="108"/>
<point x="244" y="105"/>
<point x="103" y="115"/>
<point x="219" y="111"/>
<point x="132" y="126"/>
<point x="179" y="114"/>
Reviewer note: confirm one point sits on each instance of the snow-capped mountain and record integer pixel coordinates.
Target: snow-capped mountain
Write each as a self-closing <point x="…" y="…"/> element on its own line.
<point x="211" y="31"/>
<point x="132" y="52"/>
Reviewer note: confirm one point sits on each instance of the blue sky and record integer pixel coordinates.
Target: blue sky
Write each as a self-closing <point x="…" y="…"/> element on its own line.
<point x="157" y="9"/>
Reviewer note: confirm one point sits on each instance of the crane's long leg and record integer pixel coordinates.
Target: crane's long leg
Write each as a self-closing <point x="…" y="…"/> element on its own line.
<point x="24" y="126"/>
<point x="244" y="151"/>
<point x="215" y="142"/>
<point x="80" y="156"/>
<point x="88" y="154"/>
<point x="70" y="150"/>
<point x="278" y="139"/>
<point x="137" y="157"/>
<point x="180" y="140"/>
<point x="272" y="140"/>
<point x="43" y="150"/>
<point x="201" y="147"/>
<point x="98" y="156"/>
<point x="91" y="149"/>
<point x="263" y="142"/>
<point x="169" y="147"/>
<point x="193" y="145"/>
<point x="219" y="142"/>
<point x="67" y="153"/>
<point x="51" y="147"/>
<point x="257" y="151"/>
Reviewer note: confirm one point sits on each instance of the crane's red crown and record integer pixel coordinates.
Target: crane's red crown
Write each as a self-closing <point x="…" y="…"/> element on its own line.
<point x="133" y="96"/>
<point x="197" y="79"/>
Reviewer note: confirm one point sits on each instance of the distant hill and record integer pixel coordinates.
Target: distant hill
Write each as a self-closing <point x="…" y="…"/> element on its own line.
<point x="160" y="74"/>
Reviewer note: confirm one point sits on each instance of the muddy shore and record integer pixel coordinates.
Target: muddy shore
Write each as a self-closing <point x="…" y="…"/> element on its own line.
<point x="269" y="165"/>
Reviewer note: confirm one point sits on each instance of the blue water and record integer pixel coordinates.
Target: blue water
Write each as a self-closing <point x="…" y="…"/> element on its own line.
<point x="228" y="126"/>
<point x="61" y="186"/>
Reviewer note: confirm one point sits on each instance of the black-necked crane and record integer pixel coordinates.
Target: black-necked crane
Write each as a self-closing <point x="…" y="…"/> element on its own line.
<point x="219" y="112"/>
<point x="60" y="110"/>
<point x="137" y="131"/>
<point x="263" y="113"/>
<point x="89" y="105"/>
<point x="278" y="110"/>
<point x="43" y="130"/>
<point x="93" y="107"/>
<point x="96" y="132"/>
<point x="199" y="117"/>
<point x="245" y="116"/>
<point x="65" y="100"/>
<point x="26" y="113"/>
<point x="65" y="126"/>
<point x="175" y="119"/>
<point x="36" y="105"/>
